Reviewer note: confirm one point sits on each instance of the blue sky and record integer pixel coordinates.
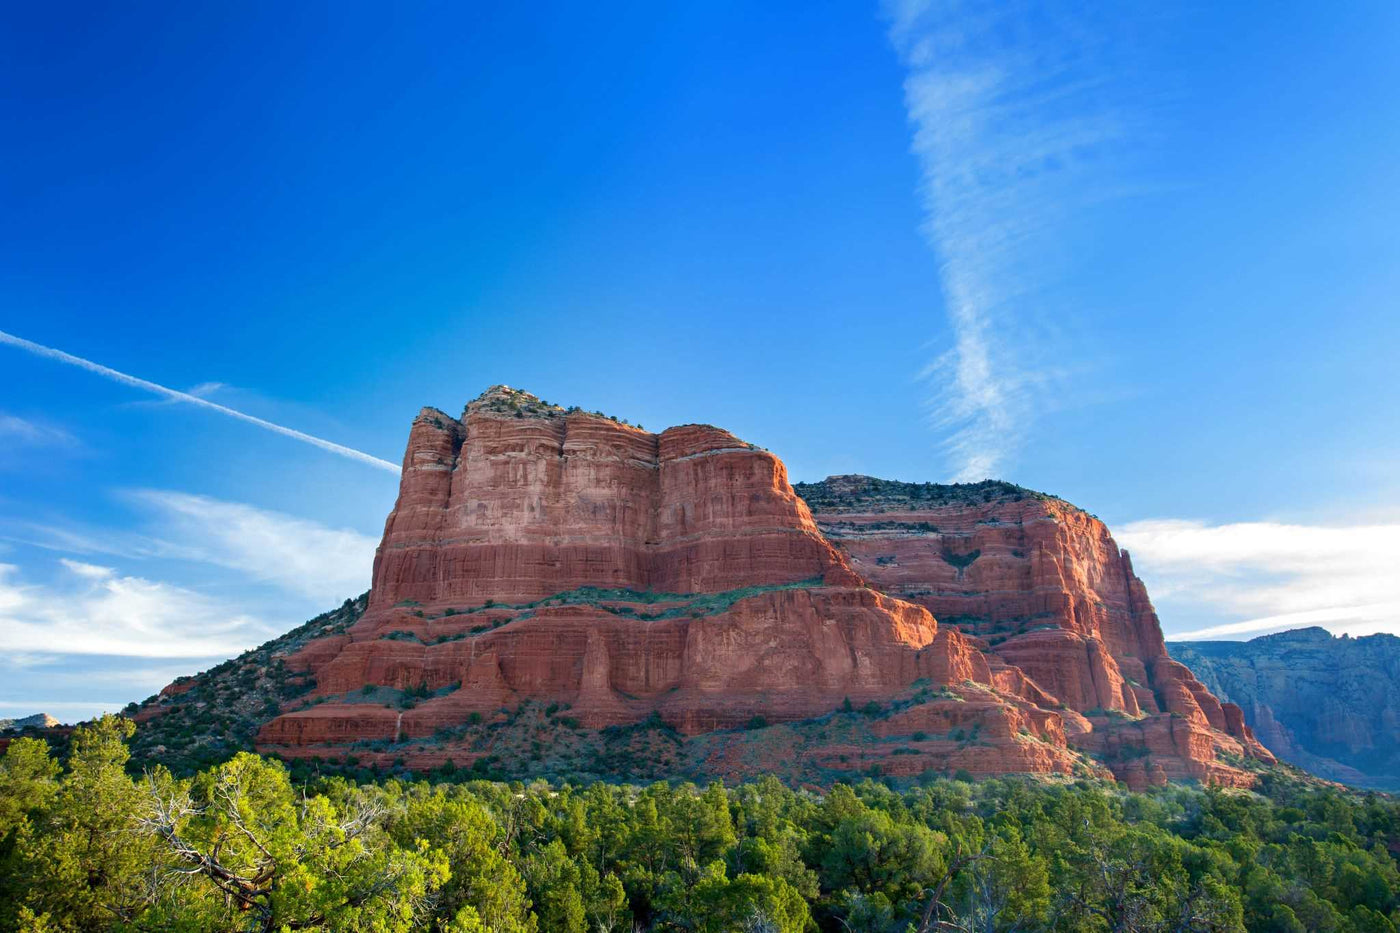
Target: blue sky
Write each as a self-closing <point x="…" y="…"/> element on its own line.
<point x="1145" y="260"/>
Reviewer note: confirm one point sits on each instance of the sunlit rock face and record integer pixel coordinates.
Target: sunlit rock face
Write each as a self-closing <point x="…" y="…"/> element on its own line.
<point x="518" y="501"/>
<point x="1040" y="585"/>
<point x="560" y="556"/>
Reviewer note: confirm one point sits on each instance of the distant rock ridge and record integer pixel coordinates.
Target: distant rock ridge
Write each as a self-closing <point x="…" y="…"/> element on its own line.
<point x="39" y="724"/>
<point x="547" y="555"/>
<point x="1325" y="703"/>
<point x="37" y="721"/>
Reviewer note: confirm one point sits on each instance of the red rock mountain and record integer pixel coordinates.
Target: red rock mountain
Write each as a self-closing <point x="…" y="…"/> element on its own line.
<point x="1040" y="585"/>
<point x="538" y="555"/>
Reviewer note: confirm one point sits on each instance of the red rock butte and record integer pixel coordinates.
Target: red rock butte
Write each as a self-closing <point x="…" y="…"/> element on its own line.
<point x="543" y="554"/>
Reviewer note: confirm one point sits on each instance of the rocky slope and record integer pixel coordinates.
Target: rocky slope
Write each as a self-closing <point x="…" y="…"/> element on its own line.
<point x="203" y="719"/>
<point x="1040" y="586"/>
<point x="1330" y="705"/>
<point x="625" y="582"/>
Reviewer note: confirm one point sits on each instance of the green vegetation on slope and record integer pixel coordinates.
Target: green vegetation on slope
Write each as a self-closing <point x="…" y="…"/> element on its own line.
<point x="537" y="740"/>
<point x="836" y="493"/>
<point x="220" y="710"/>
<point x="605" y="598"/>
<point x="241" y="846"/>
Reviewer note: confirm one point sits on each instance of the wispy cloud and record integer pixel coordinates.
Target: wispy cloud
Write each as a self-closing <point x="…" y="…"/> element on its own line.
<point x="17" y="430"/>
<point x="81" y="632"/>
<point x="294" y="554"/>
<point x="193" y="399"/>
<point x="86" y="571"/>
<point x="78" y="687"/>
<point x="64" y="672"/>
<point x="1262" y="577"/>
<point x="82" y="539"/>
<point x="71" y="711"/>
<point x="93" y="610"/>
<point x="1014" y="130"/>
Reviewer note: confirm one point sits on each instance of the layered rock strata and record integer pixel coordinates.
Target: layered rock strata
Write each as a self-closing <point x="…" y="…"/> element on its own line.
<point x="1041" y="586"/>
<point x="538" y="555"/>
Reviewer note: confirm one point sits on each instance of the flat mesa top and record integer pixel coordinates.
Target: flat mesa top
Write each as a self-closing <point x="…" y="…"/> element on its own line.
<point x="836" y="493"/>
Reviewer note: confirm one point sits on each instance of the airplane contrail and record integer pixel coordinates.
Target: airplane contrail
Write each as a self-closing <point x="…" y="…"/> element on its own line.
<point x="39" y="349"/>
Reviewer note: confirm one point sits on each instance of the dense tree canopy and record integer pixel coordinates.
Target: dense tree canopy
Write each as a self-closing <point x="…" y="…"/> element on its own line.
<point x="242" y="846"/>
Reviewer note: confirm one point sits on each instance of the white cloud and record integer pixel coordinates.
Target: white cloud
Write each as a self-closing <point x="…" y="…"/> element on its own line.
<point x="16" y="430"/>
<point x="1013" y="130"/>
<point x="25" y="708"/>
<point x="75" y="687"/>
<point x="59" y="636"/>
<point x="96" y="611"/>
<point x="294" y="554"/>
<point x="90" y="571"/>
<point x="77" y="539"/>
<point x="1258" y="577"/>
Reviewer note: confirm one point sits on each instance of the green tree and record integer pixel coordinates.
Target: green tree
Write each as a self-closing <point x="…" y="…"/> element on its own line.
<point x="28" y="785"/>
<point x="483" y="881"/>
<point x="718" y="904"/>
<point x="253" y="848"/>
<point x="555" y="885"/>
<point x="28" y="782"/>
<point x="80" y="862"/>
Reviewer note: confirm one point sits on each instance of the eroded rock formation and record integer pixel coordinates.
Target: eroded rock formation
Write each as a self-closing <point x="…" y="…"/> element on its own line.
<point x="1040" y="585"/>
<point x="538" y="555"/>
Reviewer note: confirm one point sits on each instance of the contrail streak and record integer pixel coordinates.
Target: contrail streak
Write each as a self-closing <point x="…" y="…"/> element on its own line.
<point x="50" y="353"/>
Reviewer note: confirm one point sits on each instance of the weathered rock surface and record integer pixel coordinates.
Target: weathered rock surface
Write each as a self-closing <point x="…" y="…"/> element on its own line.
<point x="537" y="554"/>
<point x="543" y="556"/>
<point x="515" y="506"/>
<point x="1041" y="586"/>
<point x="1327" y="704"/>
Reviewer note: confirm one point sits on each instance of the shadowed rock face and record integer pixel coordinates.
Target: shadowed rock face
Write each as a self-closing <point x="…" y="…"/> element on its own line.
<point x="539" y="554"/>
<point x="1330" y="705"/>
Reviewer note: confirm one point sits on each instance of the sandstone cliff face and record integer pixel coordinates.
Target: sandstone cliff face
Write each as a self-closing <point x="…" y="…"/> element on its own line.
<point x="516" y="506"/>
<point x="538" y="555"/>
<point x="1040" y="585"/>
<point x="1330" y="705"/>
